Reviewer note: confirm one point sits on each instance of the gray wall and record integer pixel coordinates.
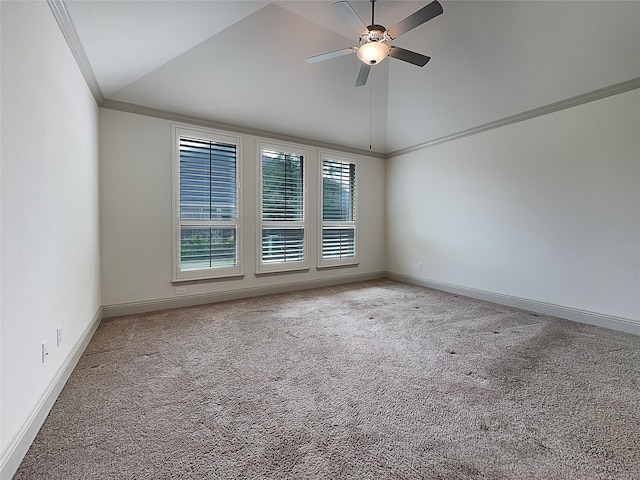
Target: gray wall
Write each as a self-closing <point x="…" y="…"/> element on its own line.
<point x="546" y="210"/>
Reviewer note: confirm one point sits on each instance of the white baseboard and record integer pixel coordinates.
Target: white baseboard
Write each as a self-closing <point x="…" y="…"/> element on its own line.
<point x="573" y="314"/>
<point x="133" y="308"/>
<point x="17" y="449"/>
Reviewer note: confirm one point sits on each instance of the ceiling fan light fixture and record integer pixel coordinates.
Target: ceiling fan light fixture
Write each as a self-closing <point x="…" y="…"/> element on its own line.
<point x="374" y="39"/>
<point x="373" y="52"/>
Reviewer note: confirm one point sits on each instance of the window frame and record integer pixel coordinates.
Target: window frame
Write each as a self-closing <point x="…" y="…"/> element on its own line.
<point x="206" y="273"/>
<point x="343" y="261"/>
<point x="282" y="267"/>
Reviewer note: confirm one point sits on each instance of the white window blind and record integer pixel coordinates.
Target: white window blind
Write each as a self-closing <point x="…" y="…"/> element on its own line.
<point x="282" y="209"/>
<point x="207" y="224"/>
<point x="338" y="212"/>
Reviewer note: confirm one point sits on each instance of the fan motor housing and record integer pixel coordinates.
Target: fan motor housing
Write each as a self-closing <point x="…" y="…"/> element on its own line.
<point x="376" y="33"/>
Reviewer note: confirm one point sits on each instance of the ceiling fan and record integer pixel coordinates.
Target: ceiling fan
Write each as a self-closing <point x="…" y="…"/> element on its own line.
<point x="374" y="39"/>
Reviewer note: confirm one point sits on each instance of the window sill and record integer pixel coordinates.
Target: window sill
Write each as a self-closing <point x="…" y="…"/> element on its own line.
<point x="353" y="264"/>
<point x="282" y="272"/>
<point x="218" y="278"/>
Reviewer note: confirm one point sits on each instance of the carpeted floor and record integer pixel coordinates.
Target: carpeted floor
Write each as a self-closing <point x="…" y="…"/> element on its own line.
<point x="375" y="380"/>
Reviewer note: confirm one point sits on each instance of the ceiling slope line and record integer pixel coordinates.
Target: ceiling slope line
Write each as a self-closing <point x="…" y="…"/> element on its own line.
<point x="592" y="96"/>
<point x="63" y="19"/>
<point x="243" y="130"/>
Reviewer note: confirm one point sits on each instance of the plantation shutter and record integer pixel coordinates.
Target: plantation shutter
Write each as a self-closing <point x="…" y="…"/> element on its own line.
<point x="208" y="204"/>
<point x="207" y="180"/>
<point x="282" y="214"/>
<point x="338" y="210"/>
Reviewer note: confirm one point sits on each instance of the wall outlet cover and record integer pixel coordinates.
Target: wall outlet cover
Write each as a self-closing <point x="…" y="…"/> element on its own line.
<point x="45" y="351"/>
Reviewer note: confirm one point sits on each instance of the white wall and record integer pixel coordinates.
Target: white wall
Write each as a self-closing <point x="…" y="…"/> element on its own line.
<point x="546" y="210"/>
<point x="50" y="227"/>
<point x="136" y="201"/>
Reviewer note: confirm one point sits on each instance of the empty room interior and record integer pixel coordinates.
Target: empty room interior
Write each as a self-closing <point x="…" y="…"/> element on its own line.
<point x="316" y="239"/>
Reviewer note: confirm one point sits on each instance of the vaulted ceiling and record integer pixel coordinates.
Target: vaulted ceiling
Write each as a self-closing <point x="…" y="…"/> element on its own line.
<point x="243" y="63"/>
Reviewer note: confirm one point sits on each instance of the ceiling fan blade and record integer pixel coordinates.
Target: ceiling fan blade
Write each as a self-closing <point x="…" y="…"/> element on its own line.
<point x="363" y="75"/>
<point x="415" y="19"/>
<point x="409" y="56"/>
<point x="330" y="55"/>
<point x="349" y="14"/>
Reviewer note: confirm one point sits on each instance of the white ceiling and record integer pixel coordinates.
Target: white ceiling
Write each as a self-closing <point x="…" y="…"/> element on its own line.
<point x="243" y="63"/>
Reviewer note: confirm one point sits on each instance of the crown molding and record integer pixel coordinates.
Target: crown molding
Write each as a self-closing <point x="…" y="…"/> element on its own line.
<point x="62" y="17"/>
<point x="61" y="14"/>
<point x="203" y="122"/>
<point x="599" y="94"/>
<point x="70" y="34"/>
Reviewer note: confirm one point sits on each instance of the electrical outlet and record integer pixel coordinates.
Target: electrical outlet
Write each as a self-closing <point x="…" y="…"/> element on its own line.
<point x="59" y="336"/>
<point x="45" y="351"/>
<point x="181" y="290"/>
<point x="419" y="266"/>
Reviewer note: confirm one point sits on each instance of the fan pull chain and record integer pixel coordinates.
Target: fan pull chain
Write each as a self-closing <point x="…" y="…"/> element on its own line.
<point x="370" y="114"/>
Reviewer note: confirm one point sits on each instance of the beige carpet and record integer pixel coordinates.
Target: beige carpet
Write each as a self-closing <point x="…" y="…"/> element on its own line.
<point x="375" y="380"/>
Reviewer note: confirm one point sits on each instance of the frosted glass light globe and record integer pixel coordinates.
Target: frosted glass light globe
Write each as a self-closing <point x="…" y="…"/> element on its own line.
<point x="373" y="52"/>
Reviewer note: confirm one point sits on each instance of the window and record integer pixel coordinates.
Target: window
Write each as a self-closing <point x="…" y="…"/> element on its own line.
<point x="282" y="208"/>
<point x="206" y="206"/>
<point x="338" y="203"/>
